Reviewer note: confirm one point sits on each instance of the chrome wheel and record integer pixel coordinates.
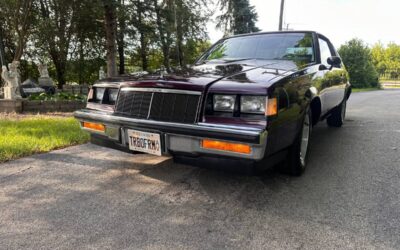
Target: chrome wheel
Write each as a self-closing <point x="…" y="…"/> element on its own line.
<point x="304" y="139"/>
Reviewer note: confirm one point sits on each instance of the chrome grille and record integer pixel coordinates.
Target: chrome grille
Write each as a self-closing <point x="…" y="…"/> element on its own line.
<point x="159" y="105"/>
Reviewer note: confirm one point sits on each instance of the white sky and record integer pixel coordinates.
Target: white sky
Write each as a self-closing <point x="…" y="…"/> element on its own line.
<point x="339" y="20"/>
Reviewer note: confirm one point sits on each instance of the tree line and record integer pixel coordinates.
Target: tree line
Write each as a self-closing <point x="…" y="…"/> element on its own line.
<point x="75" y="38"/>
<point x="367" y="65"/>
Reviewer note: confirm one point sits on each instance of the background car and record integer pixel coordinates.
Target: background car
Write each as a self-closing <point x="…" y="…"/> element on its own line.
<point x="30" y="87"/>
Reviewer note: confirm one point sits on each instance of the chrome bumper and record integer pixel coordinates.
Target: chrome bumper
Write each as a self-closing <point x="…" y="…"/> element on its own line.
<point x="177" y="137"/>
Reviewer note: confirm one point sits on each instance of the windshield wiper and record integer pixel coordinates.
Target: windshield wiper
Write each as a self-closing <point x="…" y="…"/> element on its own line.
<point x="239" y="59"/>
<point x="227" y="60"/>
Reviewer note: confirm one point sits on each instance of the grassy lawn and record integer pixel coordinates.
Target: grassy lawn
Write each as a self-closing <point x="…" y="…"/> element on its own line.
<point x="26" y="135"/>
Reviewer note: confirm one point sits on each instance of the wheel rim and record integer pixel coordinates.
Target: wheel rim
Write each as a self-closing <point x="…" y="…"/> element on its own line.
<point x="305" y="136"/>
<point x="343" y="111"/>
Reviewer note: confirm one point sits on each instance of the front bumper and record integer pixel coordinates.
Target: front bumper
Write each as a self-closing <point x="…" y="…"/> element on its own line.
<point x="178" y="138"/>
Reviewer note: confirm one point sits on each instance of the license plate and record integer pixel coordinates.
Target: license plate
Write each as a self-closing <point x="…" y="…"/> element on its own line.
<point x="144" y="142"/>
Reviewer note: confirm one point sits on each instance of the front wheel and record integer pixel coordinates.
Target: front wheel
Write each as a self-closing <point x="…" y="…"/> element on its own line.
<point x="296" y="161"/>
<point x="336" y="119"/>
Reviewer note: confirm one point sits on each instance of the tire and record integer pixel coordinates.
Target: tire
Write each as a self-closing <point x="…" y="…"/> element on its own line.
<point x="336" y="119"/>
<point x="296" y="160"/>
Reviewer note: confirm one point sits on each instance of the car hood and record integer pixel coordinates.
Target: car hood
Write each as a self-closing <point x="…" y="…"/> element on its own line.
<point x="199" y="77"/>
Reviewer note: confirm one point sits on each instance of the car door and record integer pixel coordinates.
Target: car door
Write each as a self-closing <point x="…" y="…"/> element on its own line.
<point x="331" y="80"/>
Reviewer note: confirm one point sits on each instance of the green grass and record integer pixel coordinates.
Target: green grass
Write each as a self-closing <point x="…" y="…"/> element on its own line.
<point x="30" y="135"/>
<point x="356" y="90"/>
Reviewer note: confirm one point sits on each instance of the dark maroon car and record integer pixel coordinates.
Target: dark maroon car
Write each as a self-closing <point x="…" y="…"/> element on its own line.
<point x="251" y="98"/>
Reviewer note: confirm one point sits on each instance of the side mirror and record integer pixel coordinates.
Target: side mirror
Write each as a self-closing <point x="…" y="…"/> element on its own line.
<point x="334" y="61"/>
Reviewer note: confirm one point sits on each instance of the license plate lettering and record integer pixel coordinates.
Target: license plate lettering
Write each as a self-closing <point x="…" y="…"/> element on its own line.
<point x="144" y="142"/>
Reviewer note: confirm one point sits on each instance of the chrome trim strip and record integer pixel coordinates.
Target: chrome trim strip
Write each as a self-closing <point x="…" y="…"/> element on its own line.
<point x="157" y="90"/>
<point x="107" y="85"/>
<point x="214" y="125"/>
<point x="93" y="115"/>
<point x="151" y="103"/>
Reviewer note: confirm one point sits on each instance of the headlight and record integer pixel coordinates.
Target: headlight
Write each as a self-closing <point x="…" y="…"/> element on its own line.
<point x="253" y="104"/>
<point x="224" y="103"/>
<point x="99" y="94"/>
<point x="112" y="96"/>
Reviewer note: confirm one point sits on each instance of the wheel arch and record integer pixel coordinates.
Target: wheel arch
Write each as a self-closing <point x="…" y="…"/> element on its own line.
<point x="315" y="104"/>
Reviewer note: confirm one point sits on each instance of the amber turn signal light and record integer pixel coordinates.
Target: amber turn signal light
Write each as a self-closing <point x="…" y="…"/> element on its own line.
<point x="226" y="146"/>
<point x="272" y="107"/>
<point x="94" y="126"/>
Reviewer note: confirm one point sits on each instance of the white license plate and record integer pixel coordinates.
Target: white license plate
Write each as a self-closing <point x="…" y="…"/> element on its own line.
<point x="144" y="142"/>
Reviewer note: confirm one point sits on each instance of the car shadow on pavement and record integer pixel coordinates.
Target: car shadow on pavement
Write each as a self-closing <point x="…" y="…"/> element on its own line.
<point x="213" y="181"/>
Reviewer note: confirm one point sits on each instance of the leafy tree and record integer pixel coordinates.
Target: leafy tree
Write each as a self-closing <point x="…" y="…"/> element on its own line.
<point x="191" y="18"/>
<point x="238" y="17"/>
<point x="75" y="38"/>
<point x="194" y="49"/>
<point x="387" y="60"/>
<point x="359" y="63"/>
<point x="57" y="23"/>
<point x="165" y="25"/>
<point x="87" y="45"/>
<point x="17" y="18"/>
<point x="378" y="58"/>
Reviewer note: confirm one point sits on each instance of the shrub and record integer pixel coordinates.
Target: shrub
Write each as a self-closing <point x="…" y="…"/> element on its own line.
<point x="62" y="96"/>
<point x="358" y="60"/>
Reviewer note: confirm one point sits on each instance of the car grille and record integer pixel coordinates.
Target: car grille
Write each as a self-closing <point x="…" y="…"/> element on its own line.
<point x="158" y="106"/>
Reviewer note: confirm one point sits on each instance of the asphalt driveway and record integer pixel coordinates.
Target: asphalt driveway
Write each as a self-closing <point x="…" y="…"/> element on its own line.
<point x="87" y="197"/>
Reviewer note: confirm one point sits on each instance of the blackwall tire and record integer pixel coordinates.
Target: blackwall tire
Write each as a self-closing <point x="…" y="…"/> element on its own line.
<point x="296" y="161"/>
<point x="336" y="119"/>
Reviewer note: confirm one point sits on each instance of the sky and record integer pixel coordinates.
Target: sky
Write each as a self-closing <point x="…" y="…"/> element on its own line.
<point x="339" y="20"/>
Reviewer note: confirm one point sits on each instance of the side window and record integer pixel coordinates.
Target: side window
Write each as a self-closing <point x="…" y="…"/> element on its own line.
<point x="325" y="51"/>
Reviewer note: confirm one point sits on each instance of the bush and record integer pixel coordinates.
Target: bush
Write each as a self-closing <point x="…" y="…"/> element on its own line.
<point x="357" y="58"/>
<point x="62" y="96"/>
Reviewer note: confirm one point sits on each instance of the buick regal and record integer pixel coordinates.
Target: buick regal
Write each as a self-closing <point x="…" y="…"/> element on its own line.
<point x="252" y="98"/>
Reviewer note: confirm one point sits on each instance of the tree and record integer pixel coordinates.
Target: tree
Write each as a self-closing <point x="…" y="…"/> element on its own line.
<point x="238" y="17"/>
<point x="191" y="18"/>
<point x="387" y="60"/>
<point x="87" y="52"/>
<point x="110" y="23"/>
<point x="121" y="32"/>
<point x="359" y="63"/>
<point x="164" y="19"/>
<point x="75" y="38"/>
<point x="57" y="23"/>
<point x="378" y="58"/>
<point x="17" y="17"/>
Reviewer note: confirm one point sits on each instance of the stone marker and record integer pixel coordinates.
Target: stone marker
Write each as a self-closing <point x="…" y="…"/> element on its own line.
<point x="44" y="79"/>
<point x="12" y="78"/>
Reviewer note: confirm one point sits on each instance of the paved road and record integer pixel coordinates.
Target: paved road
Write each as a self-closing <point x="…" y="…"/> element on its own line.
<point x="87" y="197"/>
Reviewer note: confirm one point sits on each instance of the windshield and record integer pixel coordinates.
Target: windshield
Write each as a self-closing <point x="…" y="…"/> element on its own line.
<point x="296" y="47"/>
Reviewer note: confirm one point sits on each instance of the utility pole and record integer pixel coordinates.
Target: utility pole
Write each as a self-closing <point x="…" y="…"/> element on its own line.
<point x="281" y="15"/>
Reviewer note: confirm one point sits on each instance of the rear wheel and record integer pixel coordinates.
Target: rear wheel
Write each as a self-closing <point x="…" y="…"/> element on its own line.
<point x="296" y="161"/>
<point x="336" y="119"/>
